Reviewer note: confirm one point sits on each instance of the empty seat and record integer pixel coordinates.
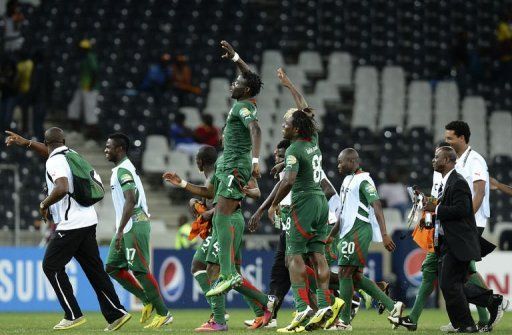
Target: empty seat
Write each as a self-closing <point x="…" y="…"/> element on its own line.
<point x="446" y="108"/>
<point x="366" y="97"/>
<point x="193" y="117"/>
<point x="340" y="69"/>
<point x="311" y="63"/>
<point x="154" y="158"/>
<point x="475" y="114"/>
<point x="500" y="133"/>
<point x="419" y="106"/>
<point x="393" y="97"/>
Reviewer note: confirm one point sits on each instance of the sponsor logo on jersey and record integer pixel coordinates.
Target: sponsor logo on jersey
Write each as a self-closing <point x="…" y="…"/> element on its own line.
<point x="290" y="160"/>
<point x="412" y="266"/>
<point x="371" y="190"/>
<point x="172" y="279"/>
<point x="244" y="112"/>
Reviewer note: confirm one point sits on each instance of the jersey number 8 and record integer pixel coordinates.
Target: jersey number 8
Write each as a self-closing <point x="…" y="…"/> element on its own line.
<point x="317" y="168"/>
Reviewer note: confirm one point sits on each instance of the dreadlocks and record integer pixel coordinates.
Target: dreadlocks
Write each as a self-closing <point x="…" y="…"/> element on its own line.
<point x="306" y="125"/>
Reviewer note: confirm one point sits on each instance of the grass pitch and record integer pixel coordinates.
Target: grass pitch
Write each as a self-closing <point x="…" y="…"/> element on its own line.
<point x="366" y="322"/>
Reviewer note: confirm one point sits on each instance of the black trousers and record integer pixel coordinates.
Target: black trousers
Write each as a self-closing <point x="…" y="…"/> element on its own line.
<point x="457" y="292"/>
<point x="279" y="277"/>
<point x="80" y="244"/>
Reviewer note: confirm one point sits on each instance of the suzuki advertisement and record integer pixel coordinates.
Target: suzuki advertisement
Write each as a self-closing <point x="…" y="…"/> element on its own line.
<point x="24" y="287"/>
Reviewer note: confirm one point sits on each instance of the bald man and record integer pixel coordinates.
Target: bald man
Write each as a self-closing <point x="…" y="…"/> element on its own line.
<point x="457" y="243"/>
<point x="361" y="221"/>
<point x="75" y="235"/>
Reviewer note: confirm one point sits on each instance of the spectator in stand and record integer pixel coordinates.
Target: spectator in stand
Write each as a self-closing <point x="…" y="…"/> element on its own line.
<point x="24" y="69"/>
<point x="13" y="20"/>
<point x="158" y="76"/>
<point x="86" y="95"/>
<point x="181" y="79"/>
<point x="40" y="94"/>
<point x="207" y="133"/>
<point x="465" y="59"/>
<point x="8" y="91"/>
<point x="394" y="193"/>
<point x="504" y="39"/>
<point x="182" y="137"/>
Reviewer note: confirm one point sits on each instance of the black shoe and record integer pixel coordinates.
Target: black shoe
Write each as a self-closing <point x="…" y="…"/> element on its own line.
<point x="408" y="323"/>
<point x="404" y="321"/>
<point x="495" y="310"/>
<point x="483" y="328"/>
<point x="470" y="329"/>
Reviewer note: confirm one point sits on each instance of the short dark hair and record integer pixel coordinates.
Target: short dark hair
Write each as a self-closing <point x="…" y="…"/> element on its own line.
<point x="306" y="125"/>
<point x="179" y="118"/>
<point x="253" y="82"/>
<point x="207" y="154"/>
<point x="284" y="144"/>
<point x="460" y="128"/>
<point x="121" y="140"/>
<point x="442" y="144"/>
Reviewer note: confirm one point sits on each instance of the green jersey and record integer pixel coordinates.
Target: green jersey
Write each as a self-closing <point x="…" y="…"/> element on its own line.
<point x="237" y="138"/>
<point x="214" y="180"/>
<point x="304" y="157"/>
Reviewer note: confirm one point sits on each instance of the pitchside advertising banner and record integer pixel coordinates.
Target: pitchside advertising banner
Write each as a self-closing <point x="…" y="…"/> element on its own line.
<point x="180" y="290"/>
<point x="24" y="287"/>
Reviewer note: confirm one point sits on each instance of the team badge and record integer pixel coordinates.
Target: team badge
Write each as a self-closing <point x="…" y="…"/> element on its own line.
<point x="290" y="160"/>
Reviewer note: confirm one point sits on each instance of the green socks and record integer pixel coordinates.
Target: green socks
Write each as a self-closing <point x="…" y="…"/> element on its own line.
<point x="426" y="288"/>
<point x="346" y="293"/>
<point x="252" y="293"/>
<point x="375" y="292"/>
<point x="218" y="304"/>
<point x="225" y="232"/>
<point x="129" y="283"/>
<point x="203" y="281"/>
<point x="300" y="296"/>
<point x="483" y="315"/>
<point x="150" y="286"/>
<point x="255" y="306"/>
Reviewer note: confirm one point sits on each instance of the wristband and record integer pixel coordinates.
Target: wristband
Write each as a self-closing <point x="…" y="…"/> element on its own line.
<point x="183" y="184"/>
<point x="255" y="160"/>
<point x="235" y="58"/>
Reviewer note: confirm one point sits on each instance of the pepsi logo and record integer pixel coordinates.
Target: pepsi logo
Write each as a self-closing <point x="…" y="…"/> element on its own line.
<point x="172" y="279"/>
<point x="412" y="266"/>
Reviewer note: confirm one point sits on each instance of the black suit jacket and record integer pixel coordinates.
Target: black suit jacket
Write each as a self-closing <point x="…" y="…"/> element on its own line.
<point x="455" y="213"/>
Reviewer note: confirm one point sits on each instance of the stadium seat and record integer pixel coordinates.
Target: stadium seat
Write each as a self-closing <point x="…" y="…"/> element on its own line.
<point x="500" y="133"/>
<point x="339" y="69"/>
<point x="475" y="114"/>
<point x="155" y="158"/>
<point x="394" y="220"/>
<point x="193" y="117"/>
<point x="446" y="107"/>
<point x="393" y="97"/>
<point x="311" y="63"/>
<point x="419" y="106"/>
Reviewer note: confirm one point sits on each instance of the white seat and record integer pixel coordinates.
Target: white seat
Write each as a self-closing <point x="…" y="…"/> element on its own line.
<point x="271" y="61"/>
<point x="192" y="115"/>
<point x="311" y="63"/>
<point x="339" y="69"/>
<point x="447" y="107"/>
<point x="475" y="114"/>
<point x="366" y="97"/>
<point x="419" y="106"/>
<point x="327" y="91"/>
<point x="393" y="97"/>
<point x="155" y="156"/>
<point x="500" y="133"/>
<point x="179" y="162"/>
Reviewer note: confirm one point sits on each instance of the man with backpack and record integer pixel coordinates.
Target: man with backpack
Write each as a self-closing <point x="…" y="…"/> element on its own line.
<point x="73" y="188"/>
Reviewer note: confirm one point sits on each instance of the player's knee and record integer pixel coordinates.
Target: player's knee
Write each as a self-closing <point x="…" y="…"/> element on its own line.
<point x="213" y="271"/>
<point x="197" y="266"/>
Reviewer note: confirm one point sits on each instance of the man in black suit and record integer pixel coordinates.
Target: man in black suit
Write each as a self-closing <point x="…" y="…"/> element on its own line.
<point x="457" y="243"/>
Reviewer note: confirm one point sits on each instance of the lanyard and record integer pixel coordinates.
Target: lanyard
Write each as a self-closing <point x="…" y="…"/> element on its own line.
<point x="466" y="158"/>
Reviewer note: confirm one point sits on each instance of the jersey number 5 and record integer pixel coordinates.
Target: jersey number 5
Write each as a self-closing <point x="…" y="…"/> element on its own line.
<point x="316" y="162"/>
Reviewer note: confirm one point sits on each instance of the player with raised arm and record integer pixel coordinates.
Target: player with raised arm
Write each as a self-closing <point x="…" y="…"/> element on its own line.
<point x="261" y="304"/>
<point x="242" y="139"/>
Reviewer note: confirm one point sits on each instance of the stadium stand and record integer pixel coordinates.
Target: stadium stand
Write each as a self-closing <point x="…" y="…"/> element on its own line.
<point x="394" y="59"/>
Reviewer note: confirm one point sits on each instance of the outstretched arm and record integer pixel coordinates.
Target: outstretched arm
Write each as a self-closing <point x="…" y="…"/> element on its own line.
<point x="496" y="185"/>
<point x="297" y="96"/>
<point x="230" y="53"/>
<point x="38" y="147"/>
<point x="201" y="191"/>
